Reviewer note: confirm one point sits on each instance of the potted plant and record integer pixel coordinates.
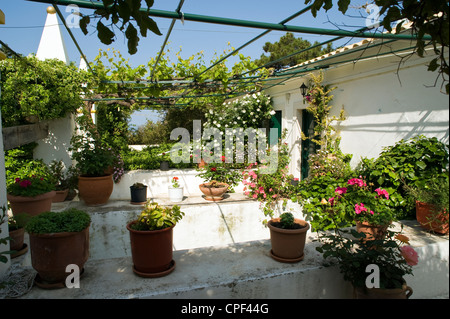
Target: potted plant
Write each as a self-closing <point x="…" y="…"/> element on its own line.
<point x="432" y="203"/>
<point x="375" y="268"/>
<point x="369" y="209"/>
<point x="175" y="191"/>
<point x="94" y="162"/>
<point x="164" y="163"/>
<point x="58" y="239"/>
<point x="151" y="238"/>
<point x="17" y="233"/>
<point x="138" y="193"/>
<point x="272" y="189"/>
<point x="219" y="177"/>
<point x="61" y="181"/>
<point x="32" y="195"/>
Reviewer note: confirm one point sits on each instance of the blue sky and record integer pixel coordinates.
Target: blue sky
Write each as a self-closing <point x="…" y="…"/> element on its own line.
<point x="25" y="21"/>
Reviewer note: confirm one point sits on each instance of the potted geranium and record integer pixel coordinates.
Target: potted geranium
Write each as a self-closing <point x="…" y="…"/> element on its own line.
<point x="272" y="189"/>
<point x="219" y="178"/>
<point x="175" y="190"/>
<point x="94" y="163"/>
<point x="369" y="209"/>
<point x="32" y="195"/>
<point x="151" y="238"/>
<point x="58" y="239"/>
<point x="138" y="193"/>
<point x="375" y="268"/>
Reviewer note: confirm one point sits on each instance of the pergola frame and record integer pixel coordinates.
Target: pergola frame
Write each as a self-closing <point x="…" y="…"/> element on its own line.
<point x="282" y="75"/>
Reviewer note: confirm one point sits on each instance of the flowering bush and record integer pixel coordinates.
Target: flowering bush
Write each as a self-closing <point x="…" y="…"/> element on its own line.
<point x="30" y="186"/>
<point x="269" y="188"/>
<point x="360" y="203"/>
<point x="393" y="256"/>
<point x="249" y="111"/>
<point x="175" y="182"/>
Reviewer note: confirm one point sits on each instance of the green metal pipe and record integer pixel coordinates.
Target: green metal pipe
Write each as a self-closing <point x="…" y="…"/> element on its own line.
<point x="243" y="23"/>
<point x="306" y="9"/>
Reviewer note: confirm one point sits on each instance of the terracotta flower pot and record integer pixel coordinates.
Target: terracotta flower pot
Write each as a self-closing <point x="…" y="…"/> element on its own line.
<point x="373" y="232"/>
<point x="16" y="241"/>
<point x="377" y="293"/>
<point x="288" y="244"/>
<point x="152" y="251"/>
<point x="431" y="220"/>
<point x="213" y="193"/>
<point x="51" y="253"/>
<point x="95" y="191"/>
<point x="60" y="196"/>
<point x="31" y="205"/>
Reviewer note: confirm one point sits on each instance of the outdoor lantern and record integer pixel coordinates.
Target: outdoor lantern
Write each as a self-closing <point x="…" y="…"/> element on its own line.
<point x="303" y="89"/>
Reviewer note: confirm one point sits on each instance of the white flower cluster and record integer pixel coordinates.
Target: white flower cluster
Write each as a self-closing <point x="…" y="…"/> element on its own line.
<point x="249" y="111"/>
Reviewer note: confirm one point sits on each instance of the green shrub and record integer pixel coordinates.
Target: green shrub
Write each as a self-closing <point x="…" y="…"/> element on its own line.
<point x="70" y="220"/>
<point x="408" y="162"/>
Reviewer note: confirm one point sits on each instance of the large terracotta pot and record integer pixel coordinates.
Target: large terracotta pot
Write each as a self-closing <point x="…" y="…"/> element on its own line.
<point x="377" y="293"/>
<point x="31" y="205"/>
<point x="431" y="220"/>
<point x="373" y="232"/>
<point x="288" y="244"/>
<point x="51" y="253"/>
<point x="213" y="193"/>
<point x="152" y="251"/>
<point x="95" y="191"/>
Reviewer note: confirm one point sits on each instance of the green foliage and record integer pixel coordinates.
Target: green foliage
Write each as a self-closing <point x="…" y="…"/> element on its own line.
<point x="433" y="191"/>
<point x="408" y="162"/>
<point x="287" y="220"/>
<point x="221" y="171"/>
<point x="156" y="217"/>
<point x="287" y="45"/>
<point x="150" y="158"/>
<point x="3" y="240"/>
<point x="319" y="98"/>
<point x="35" y="90"/>
<point x="120" y="14"/>
<point x="352" y="254"/>
<point x="31" y="186"/>
<point x="19" y="163"/>
<point x="93" y="157"/>
<point x="70" y="220"/>
<point x="270" y="188"/>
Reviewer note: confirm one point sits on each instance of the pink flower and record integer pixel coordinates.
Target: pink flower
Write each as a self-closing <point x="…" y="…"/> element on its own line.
<point x="25" y="183"/>
<point x="383" y="192"/>
<point x="261" y="189"/>
<point x="274" y="196"/>
<point x="360" y="208"/>
<point x="357" y="181"/>
<point x="255" y="196"/>
<point x="247" y="193"/>
<point x="341" y="190"/>
<point x="331" y="201"/>
<point x="270" y="189"/>
<point x="410" y="255"/>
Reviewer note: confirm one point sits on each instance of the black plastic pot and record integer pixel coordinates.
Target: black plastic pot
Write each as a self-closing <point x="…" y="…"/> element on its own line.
<point x="138" y="194"/>
<point x="164" y="166"/>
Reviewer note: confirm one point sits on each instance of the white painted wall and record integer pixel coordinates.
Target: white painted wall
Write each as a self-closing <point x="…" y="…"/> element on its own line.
<point x="56" y="145"/>
<point x="383" y="105"/>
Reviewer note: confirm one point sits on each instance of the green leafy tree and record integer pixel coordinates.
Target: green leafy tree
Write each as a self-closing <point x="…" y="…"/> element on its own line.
<point x="287" y="45"/>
